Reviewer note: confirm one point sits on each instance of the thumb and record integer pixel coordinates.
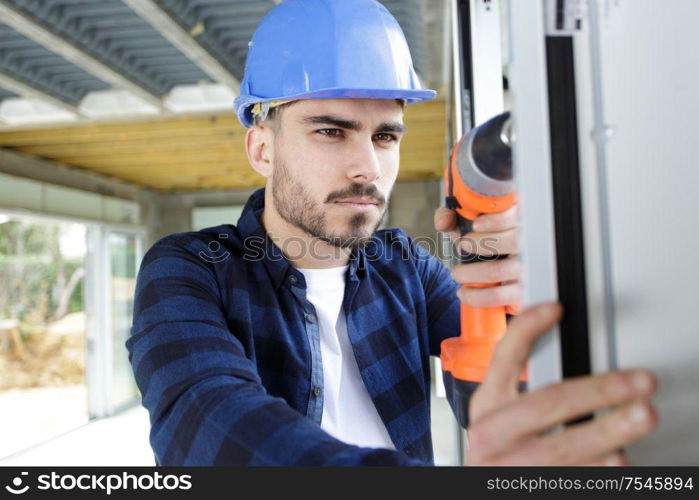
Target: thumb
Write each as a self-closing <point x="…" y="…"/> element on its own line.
<point x="511" y="353"/>
<point x="444" y="219"/>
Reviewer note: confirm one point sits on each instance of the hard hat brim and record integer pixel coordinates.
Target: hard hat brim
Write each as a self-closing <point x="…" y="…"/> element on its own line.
<point x="244" y="103"/>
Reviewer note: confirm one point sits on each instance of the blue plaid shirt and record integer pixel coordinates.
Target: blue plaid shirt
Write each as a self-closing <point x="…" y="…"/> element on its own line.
<point x="225" y="347"/>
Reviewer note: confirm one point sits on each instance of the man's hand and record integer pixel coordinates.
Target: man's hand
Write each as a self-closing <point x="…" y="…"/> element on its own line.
<point x="510" y="428"/>
<point x="493" y="234"/>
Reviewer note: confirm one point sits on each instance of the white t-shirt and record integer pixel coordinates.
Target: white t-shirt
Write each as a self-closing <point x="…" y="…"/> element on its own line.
<point x="349" y="413"/>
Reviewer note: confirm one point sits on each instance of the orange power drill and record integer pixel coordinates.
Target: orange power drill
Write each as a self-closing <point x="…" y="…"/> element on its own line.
<point x="479" y="181"/>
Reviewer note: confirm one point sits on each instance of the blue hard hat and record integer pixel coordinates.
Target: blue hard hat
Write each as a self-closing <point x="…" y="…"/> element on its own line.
<point x="326" y="49"/>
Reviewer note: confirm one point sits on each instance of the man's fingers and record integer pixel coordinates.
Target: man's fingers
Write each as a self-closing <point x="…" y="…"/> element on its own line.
<point x="444" y="219"/>
<point x="493" y="234"/>
<point x="493" y="296"/>
<point x="513" y="310"/>
<point x="556" y="404"/>
<point x="494" y="271"/>
<point x="489" y="244"/>
<point x="513" y="349"/>
<point x="495" y="223"/>
<point x="608" y="460"/>
<point x="583" y="442"/>
<point x="445" y="222"/>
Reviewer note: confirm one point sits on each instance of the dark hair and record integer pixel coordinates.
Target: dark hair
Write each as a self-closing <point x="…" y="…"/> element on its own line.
<point x="274" y="114"/>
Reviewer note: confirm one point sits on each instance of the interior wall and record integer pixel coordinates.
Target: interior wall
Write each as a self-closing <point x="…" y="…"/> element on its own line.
<point x="50" y="172"/>
<point x="412" y="208"/>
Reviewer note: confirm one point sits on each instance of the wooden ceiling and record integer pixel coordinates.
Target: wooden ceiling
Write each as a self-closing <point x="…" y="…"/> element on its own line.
<point x="202" y="153"/>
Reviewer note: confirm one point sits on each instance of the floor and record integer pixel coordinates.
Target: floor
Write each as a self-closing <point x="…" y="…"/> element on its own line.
<point x="121" y="440"/>
<point x="31" y="416"/>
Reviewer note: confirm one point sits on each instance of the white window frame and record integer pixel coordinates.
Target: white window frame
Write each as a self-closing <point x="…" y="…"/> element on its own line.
<point x="99" y="366"/>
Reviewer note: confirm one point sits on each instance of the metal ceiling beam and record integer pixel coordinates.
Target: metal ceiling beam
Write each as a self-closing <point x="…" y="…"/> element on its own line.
<point x="35" y="31"/>
<point x="11" y="83"/>
<point x="160" y="20"/>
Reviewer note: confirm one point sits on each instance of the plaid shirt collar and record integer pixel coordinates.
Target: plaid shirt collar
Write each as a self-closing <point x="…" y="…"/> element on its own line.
<point x="253" y="233"/>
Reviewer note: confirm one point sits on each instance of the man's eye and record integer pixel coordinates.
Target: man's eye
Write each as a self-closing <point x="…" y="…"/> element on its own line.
<point x="330" y="132"/>
<point x="383" y="137"/>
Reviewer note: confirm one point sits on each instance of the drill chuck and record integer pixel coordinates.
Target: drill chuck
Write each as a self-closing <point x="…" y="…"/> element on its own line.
<point x="484" y="157"/>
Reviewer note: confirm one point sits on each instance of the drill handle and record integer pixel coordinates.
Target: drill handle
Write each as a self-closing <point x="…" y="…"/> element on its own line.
<point x="466" y="226"/>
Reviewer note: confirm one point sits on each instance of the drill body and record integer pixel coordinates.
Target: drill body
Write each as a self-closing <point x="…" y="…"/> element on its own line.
<point x="479" y="180"/>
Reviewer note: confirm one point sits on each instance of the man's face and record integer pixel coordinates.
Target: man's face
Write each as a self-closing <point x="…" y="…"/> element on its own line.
<point x="335" y="163"/>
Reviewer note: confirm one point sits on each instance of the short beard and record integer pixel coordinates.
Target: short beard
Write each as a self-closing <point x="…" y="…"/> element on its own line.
<point x="295" y="205"/>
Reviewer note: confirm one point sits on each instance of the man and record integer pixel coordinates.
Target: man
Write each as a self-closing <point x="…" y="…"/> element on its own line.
<point x="302" y="336"/>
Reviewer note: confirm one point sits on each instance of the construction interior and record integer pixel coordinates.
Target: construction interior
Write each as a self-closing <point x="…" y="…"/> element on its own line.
<point x="116" y="128"/>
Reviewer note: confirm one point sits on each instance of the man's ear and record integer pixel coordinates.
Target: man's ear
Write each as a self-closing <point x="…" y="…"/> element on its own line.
<point x="259" y="142"/>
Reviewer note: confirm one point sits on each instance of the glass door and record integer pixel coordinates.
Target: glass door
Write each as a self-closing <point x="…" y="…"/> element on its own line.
<point x="124" y="257"/>
<point x="114" y="258"/>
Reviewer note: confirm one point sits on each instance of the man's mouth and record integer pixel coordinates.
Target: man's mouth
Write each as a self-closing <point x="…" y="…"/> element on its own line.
<point x="358" y="203"/>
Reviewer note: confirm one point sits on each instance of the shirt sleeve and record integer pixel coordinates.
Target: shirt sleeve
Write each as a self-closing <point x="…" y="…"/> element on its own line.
<point x="206" y="402"/>
<point x="443" y="305"/>
<point x="443" y="309"/>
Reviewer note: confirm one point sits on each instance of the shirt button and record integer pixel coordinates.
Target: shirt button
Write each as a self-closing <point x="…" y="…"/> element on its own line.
<point x="317" y="391"/>
<point x="293" y="279"/>
<point x="311" y="318"/>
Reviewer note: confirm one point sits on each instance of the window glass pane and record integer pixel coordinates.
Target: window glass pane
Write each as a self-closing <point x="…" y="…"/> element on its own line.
<point x="122" y="249"/>
<point x="203" y="217"/>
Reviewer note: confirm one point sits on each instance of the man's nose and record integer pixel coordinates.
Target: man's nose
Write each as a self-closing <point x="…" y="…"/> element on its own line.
<point x="364" y="165"/>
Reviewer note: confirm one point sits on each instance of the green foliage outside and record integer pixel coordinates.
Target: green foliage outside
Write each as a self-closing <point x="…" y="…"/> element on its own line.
<point x="34" y="275"/>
